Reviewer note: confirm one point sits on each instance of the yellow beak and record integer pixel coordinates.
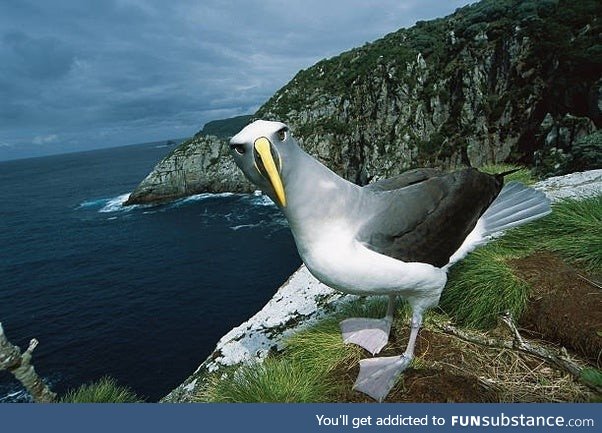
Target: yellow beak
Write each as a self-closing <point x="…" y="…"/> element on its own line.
<point x="262" y="146"/>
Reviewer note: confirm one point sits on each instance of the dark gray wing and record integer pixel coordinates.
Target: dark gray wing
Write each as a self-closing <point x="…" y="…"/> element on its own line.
<point x="427" y="221"/>
<point x="406" y="178"/>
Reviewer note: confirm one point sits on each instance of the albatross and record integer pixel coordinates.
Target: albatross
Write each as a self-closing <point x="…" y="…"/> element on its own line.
<point x="395" y="237"/>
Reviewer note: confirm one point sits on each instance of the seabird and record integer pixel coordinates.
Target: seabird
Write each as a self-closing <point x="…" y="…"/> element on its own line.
<point x="395" y="237"/>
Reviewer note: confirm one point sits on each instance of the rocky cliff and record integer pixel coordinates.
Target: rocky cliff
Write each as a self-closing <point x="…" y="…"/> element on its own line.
<point x="496" y="81"/>
<point x="201" y="164"/>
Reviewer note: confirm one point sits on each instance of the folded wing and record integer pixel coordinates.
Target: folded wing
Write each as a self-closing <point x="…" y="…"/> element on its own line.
<point x="426" y="215"/>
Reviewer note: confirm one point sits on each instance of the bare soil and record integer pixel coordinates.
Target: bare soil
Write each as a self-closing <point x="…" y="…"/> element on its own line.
<point x="564" y="308"/>
<point x="431" y="382"/>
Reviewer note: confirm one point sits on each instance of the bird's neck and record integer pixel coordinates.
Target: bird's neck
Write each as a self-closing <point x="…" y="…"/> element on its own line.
<point x="315" y="194"/>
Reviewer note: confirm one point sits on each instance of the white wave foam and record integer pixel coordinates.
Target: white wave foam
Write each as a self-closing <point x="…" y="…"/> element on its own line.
<point x="272" y="223"/>
<point x="105" y="205"/>
<point x="262" y="200"/>
<point x="246" y="226"/>
<point x="16" y="394"/>
<point x="15" y="397"/>
<point x="115" y="204"/>
<point x="93" y="203"/>
<point x="205" y="195"/>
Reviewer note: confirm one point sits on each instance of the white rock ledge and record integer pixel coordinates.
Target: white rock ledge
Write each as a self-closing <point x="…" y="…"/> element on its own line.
<point x="575" y="185"/>
<point x="302" y="300"/>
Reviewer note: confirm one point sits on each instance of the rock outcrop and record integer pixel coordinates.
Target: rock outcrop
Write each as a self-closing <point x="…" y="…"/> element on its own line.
<point x="201" y="164"/>
<point x="497" y="81"/>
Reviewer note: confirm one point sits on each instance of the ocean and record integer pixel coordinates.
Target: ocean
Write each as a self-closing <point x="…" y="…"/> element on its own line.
<point x="141" y="293"/>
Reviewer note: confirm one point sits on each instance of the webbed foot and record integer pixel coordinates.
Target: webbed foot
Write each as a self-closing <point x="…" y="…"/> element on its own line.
<point x="371" y="334"/>
<point x="378" y="375"/>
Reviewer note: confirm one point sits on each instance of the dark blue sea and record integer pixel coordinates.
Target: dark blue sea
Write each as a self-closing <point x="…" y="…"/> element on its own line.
<point x="141" y="294"/>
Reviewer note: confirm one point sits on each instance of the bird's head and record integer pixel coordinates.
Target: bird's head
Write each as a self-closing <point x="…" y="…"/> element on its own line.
<point x="260" y="150"/>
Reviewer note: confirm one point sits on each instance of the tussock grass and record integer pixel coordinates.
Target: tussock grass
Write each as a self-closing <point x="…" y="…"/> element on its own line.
<point x="106" y="390"/>
<point x="276" y="379"/>
<point x="483" y="285"/>
<point x="321" y="348"/>
<point x="302" y="373"/>
<point x="574" y="231"/>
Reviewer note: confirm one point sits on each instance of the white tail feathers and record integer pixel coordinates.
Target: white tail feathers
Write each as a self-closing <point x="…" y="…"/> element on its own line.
<point x="515" y="205"/>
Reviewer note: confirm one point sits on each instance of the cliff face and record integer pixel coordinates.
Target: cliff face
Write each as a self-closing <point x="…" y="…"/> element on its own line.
<point x="474" y="88"/>
<point x="496" y="81"/>
<point x="197" y="165"/>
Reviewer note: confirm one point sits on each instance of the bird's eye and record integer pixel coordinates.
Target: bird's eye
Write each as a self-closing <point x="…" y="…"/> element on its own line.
<point x="239" y="148"/>
<point x="282" y="134"/>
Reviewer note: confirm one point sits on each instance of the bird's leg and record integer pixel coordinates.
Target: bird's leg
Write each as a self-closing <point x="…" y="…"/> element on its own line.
<point x="378" y="375"/>
<point x="371" y="334"/>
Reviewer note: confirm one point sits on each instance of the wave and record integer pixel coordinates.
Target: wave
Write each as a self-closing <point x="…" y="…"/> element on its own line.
<point x="14" y="393"/>
<point x="255" y="199"/>
<point x="261" y="200"/>
<point x="93" y="203"/>
<point x="104" y="205"/>
<point x="115" y="204"/>
<point x="16" y="397"/>
<point x="247" y="226"/>
<point x="204" y="196"/>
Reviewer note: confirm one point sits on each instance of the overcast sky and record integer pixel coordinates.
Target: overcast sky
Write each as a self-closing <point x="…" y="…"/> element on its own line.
<point x="79" y="74"/>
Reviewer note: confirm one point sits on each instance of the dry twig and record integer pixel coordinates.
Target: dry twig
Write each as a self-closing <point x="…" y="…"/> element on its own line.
<point x="559" y="359"/>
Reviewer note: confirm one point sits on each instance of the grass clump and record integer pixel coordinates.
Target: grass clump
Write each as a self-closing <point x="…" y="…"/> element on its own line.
<point x="483" y="285"/>
<point x="106" y="390"/>
<point x="302" y="373"/>
<point x="574" y="231"/>
<point x="321" y="348"/>
<point x="276" y="379"/>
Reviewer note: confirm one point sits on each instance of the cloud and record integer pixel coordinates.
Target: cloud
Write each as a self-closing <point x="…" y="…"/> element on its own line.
<point x="45" y="139"/>
<point x="125" y="71"/>
<point x="38" y="58"/>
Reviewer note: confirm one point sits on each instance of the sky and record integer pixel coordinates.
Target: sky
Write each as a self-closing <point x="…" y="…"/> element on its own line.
<point x="80" y="74"/>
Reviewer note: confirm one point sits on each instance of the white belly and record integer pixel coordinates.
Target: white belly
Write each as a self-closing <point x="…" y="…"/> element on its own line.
<point x="341" y="262"/>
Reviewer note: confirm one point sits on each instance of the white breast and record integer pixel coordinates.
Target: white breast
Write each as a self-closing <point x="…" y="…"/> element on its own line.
<point x="341" y="262"/>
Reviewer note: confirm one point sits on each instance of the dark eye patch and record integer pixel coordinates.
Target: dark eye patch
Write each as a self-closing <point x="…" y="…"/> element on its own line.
<point x="282" y="134"/>
<point x="239" y="148"/>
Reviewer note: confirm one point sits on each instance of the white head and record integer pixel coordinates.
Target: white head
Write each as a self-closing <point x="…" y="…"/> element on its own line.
<point x="260" y="150"/>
